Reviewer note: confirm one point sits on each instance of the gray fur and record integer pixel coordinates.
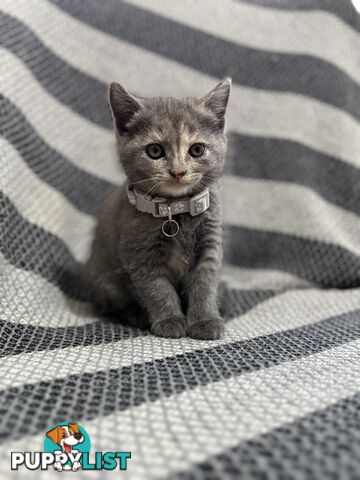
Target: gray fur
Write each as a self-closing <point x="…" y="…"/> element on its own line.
<point x="169" y="284"/>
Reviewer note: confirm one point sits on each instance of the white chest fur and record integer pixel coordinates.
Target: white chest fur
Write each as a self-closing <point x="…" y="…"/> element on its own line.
<point x="177" y="262"/>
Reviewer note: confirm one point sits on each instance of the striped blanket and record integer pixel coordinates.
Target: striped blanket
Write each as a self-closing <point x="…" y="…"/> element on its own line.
<point x="279" y="395"/>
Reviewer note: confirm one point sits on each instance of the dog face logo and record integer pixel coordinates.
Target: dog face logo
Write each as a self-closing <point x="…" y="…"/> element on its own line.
<point x="66" y="437"/>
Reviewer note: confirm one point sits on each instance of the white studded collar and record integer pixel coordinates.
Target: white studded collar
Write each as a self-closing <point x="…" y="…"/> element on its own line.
<point x="167" y="207"/>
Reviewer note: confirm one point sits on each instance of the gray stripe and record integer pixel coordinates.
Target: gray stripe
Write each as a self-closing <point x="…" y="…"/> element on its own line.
<point x="325" y="264"/>
<point x="218" y="57"/>
<point x="17" y="338"/>
<point x="84" y="190"/>
<point x="32" y="248"/>
<point x="282" y="160"/>
<point x="103" y="392"/>
<point x="79" y="91"/>
<point x="323" y="445"/>
<point x="234" y="302"/>
<point x="342" y="8"/>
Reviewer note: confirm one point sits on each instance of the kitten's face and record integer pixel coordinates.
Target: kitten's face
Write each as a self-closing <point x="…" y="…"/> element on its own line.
<point x="171" y="147"/>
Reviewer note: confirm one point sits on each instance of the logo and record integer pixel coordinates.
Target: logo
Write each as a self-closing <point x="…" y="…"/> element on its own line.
<point x="67" y="447"/>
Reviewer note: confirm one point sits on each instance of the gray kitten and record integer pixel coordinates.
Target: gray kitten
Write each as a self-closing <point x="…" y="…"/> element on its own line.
<point x="171" y="148"/>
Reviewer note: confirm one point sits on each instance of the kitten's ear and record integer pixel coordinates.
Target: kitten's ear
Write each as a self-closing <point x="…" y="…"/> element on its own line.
<point x="216" y="100"/>
<point x="123" y="106"/>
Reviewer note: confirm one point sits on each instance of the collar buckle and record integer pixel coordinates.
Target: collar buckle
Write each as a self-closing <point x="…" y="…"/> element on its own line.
<point x="199" y="203"/>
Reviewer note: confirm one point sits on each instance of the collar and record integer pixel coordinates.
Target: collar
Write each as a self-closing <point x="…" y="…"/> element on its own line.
<point x="165" y="207"/>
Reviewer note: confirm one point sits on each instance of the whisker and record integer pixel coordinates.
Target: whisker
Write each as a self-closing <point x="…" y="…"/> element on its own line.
<point x="151" y="189"/>
<point x="200" y="184"/>
<point x="146" y="180"/>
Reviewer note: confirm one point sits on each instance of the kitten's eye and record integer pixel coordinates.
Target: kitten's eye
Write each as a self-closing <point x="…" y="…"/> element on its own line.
<point x="155" y="151"/>
<point x="197" y="150"/>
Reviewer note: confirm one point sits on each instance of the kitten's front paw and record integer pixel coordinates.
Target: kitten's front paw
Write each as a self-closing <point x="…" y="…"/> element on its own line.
<point x="173" y="327"/>
<point x="209" y="329"/>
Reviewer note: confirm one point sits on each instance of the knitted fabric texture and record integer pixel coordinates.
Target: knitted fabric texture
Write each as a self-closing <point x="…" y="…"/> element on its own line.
<point x="279" y="395"/>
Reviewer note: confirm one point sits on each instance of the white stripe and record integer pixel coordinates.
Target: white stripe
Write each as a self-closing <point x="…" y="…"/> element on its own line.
<point x="251" y="111"/>
<point x="356" y="4"/>
<point x="260" y="279"/>
<point x="290" y="116"/>
<point x="294" y="308"/>
<point x="54" y="364"/>
<point x="289" y="208"/>
<point x="47" y="208"/>
<point x="315" y="33"/>
<point x="173" y="433"/>
<point x="88" y="146"/>
<point x="28" y="299"/>
<point x="289" y="310"/>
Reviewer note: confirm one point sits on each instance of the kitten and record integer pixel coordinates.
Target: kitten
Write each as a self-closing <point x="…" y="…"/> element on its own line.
<point x="163" y="272"/>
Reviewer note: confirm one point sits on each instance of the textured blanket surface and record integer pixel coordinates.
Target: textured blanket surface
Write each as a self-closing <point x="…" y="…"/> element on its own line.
<point x="279" y="395"/>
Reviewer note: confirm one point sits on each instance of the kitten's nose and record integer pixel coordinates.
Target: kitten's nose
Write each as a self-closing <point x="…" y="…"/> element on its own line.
<point x="177" y="174"/>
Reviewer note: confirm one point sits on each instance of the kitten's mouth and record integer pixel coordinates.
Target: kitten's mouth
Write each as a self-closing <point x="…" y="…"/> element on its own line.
<point x="175" y="187"/>
<point x="180" y="182"/>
